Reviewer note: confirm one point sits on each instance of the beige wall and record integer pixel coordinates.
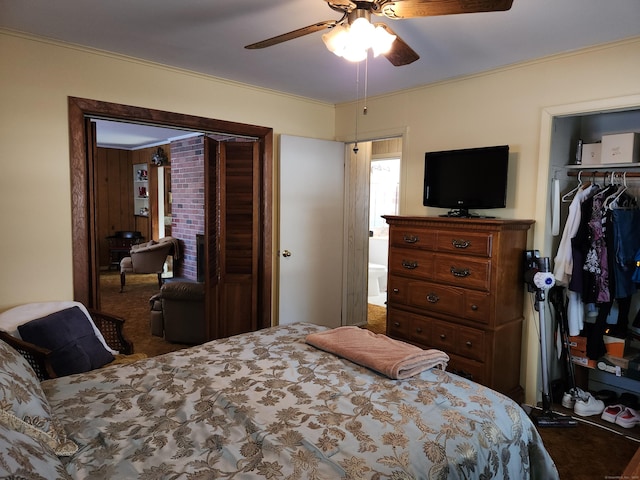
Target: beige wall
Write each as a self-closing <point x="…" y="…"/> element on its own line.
<point x="35" y="204"/>
<point x="504" y="106"/>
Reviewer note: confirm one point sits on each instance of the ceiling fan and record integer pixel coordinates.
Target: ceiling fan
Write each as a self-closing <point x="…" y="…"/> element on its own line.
<point x="354" y="10"/>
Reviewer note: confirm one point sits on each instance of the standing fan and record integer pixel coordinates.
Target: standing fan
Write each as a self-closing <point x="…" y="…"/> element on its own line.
<point x="400" y="53"/>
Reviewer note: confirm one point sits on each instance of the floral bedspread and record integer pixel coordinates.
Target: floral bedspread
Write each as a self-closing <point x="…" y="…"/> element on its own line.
<point x="267" y="405"/>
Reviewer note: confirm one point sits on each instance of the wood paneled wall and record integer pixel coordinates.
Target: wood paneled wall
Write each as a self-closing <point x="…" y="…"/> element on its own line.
<point x="114" y="199"/>
<point x="114" y="195"/>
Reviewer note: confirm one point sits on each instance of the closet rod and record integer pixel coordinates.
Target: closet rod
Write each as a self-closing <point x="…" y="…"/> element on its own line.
<point x="586" y="174"/>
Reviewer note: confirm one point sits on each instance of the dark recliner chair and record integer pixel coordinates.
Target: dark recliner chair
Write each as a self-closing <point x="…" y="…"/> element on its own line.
<point x="178" y="313"/>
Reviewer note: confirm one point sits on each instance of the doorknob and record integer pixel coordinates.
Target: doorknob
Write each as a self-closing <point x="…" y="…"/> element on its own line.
<point x="286" y="253"/>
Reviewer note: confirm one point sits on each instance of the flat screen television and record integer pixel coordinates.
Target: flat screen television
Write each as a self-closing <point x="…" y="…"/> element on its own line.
<point x="467" y="179"/>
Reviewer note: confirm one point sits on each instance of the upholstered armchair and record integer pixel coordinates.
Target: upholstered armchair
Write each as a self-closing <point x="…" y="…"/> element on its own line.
<point x="148" y="258"/>
<point x="178" y="313"/>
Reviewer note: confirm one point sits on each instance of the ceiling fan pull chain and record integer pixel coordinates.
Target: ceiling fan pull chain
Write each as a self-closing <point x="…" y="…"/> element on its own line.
<point x="366" y="83"/>
<point x="355" y="146"/>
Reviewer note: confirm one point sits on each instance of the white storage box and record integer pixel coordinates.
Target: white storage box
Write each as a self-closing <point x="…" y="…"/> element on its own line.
<point x="591" y="153"/>
<point x="621" y="148"/>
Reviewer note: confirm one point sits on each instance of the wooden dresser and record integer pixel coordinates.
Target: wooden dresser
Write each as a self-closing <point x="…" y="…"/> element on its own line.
<point x="457" y="284"/>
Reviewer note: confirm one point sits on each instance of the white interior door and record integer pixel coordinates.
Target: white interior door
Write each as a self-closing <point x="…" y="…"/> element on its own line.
<point x="311" y="231"/>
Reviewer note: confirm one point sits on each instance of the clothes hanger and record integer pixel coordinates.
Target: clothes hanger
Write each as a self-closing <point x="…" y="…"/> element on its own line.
<point x="567" y="196"/>
<point x="605" y="189"/>
<point x="609" y="201"/>
<point x="614" y="202"/>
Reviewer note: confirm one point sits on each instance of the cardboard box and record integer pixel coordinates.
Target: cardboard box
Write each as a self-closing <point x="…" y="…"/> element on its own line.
<point x="591" y="153"/>
<point x="614" y="345"/>
<point x="584" y="361"/>
<point x="622" y="362"/>
<point x="620" y="148"/>
<point x="578" y="345"/>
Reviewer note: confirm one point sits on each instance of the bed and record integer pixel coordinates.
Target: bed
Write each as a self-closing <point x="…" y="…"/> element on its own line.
<point x="268" y="405"/>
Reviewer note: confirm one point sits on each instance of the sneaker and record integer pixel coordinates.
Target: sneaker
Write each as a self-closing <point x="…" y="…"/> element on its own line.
<point x="569" y="398"/>
<point x="588" y="405"/>
<point x="568" y="401"/>
<point x="629" y="418"/>
<point x="612" y="412"/>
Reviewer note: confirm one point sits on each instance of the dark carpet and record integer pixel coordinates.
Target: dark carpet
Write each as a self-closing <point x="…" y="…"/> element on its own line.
<point x="589" y="452"/>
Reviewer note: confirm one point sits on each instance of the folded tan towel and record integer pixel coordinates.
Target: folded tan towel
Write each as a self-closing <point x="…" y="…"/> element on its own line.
<point x="393" y="358"/>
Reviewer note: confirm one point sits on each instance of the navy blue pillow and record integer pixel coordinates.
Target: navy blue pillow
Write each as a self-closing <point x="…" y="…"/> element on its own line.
<point x="70" y="336"/>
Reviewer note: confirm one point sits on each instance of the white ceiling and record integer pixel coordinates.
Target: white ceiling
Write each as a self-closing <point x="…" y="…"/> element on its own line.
<point x="128" y="136"/>
<point x="208" y="36"/>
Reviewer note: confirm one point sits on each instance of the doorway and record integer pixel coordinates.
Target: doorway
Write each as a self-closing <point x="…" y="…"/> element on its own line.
<point x="86" y="268"/>
<point x="384" y="199"/>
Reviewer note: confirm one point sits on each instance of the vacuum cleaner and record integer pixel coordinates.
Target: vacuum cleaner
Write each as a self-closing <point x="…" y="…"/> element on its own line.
<point x="539" y="279"/>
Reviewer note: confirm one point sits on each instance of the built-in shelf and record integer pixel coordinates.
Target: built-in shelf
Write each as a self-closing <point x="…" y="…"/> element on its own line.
<point x="604" y="166"/>
<point x="141" y="189"/>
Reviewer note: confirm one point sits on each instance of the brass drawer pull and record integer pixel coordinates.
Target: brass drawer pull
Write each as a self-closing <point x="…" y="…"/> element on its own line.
<point x="410" y="238"/>
<point x="468" y="343"/>
<point x="409" y="265"/>
<point x="460" y="272"/>
<point x="433" y="298"/>
<point x="459" y="243"/>
<point x="419" y="330"/>
<point x="396" y="291"/>
<point x="474" y="307"/>
<point x="442" y="336"/>
<point x="396" y="324"/>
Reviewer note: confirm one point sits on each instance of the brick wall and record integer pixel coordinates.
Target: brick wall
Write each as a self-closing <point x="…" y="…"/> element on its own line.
<point x="187" y="207"/>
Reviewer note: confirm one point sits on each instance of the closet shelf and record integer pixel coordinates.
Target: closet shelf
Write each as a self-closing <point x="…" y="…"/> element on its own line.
<point x="603" y="173"/>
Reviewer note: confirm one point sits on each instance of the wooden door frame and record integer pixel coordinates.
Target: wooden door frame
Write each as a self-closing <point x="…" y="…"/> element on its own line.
<point x="85" y="259"/>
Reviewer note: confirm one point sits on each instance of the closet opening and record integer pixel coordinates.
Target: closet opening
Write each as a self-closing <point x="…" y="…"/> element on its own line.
<point x="592" y="238"/>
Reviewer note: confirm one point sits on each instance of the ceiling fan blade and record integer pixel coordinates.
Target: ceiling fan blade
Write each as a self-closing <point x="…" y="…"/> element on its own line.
<point x="400" y="53"/>
<point x="316" y="27"/>
<point x="430" y="8"/>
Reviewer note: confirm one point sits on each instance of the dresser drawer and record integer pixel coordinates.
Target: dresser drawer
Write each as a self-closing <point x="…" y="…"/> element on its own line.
<point x="462" y="271"/>
<point x="421" y="330"/>
<point x="466" y="368"/>
<point x="470" y="343"/>
<point x="443" y="336"/>
<point x="398" y="323"/>
<point x="413" y="238"/>
<point x="464" y="341"/>
<point x="397" y="290"/>
<point x="478" y="244"/>
<point x="417" y="264"/>
<point x="477" y="306"/>
<point x="409" y="326"/>
<point x="433" y="297"/>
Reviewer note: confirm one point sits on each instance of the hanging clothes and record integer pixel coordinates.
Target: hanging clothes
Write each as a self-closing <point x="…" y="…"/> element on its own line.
<point x="563" y="262"/>
<point x="626" y="242"/>
<point x="565" y="259"/>
<point x="596" y="263"/>
<point x="582" y="281"/>
<point x="595" y="260"/>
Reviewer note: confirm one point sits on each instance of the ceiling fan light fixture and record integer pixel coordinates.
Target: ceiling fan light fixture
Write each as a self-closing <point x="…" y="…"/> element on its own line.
<point x="336" y="39"/>
<point x="352" y="42"/>
<point x="382" y="41"/>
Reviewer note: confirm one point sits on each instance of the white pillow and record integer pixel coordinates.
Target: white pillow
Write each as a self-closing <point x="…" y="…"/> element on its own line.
<point x="11" y="319"/>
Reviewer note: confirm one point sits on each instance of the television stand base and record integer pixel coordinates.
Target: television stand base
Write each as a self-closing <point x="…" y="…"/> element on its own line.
<point x="463" y="213"/>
